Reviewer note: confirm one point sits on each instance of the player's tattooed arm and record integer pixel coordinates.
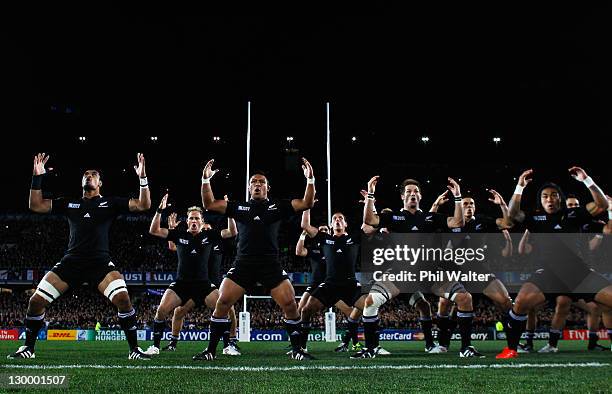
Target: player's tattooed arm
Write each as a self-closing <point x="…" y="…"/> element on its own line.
<point x="514" y="208"/>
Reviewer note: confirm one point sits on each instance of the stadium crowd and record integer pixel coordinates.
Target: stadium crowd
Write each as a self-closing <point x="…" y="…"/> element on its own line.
<point x="84" y="308"/>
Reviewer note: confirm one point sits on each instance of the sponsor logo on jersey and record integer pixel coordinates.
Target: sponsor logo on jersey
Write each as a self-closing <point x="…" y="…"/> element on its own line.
<point x="243" y="208"/>
<point x="72" y="205"/>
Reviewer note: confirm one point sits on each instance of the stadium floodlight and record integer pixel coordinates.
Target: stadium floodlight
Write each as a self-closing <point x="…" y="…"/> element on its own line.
<point x="354" y="139"/>
<point x="82" y="139"/>
<point x="425" y="139"/>
<point x="289" y="138"/>
<point x="153" y="138"/>
<point x="217" y="139"/>
<point x="497" y="140"/>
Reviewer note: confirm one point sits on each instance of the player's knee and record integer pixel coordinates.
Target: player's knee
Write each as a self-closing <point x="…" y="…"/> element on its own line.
<point x="162" y="313"/>
<point x="423" y="306"/>
<point x="45" y="294"/>
<point x="372" y="302"/>
<point x="464" y="300"/>
<point x="122" y="301"/>
<point x="563" y="306"/>
<point x="36" y="304"/>
<point x="179" y="312"/>
<point x="116" y="292"/>
<point x="444" y="303"/>
<point x="287" y="304"/>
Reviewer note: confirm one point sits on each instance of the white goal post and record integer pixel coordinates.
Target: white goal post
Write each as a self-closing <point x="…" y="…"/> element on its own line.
<point x="244" y="321"/>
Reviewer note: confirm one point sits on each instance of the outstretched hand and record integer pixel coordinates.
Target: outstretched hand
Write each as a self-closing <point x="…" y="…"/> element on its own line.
<point x="496" y="198"/>
<point x="307" y="168"/>
<point x="39" y="164"/>
<point x="208" y="172"/>
<point x="454" y="187"/>
<point x="140" y="167"/>
<point x="525" y="178"/>
<point x="578" y="174"/>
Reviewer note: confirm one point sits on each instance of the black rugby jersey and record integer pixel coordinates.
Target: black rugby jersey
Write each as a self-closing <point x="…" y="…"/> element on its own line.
<point x="403" y="221"/>
<point x="258" y="225"/>
<point x="193" y="252"/>
<point x="317" y="260"/>
<point x="90" y="220"/>
<point x="341" y="255"/>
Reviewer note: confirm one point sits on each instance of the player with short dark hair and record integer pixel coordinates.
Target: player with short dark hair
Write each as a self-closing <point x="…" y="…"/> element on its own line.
<point x="409" y="219"/>
<point x="88" y="257"/>
<point x="258" y="222"/>
<point x="494" y="289"/>
<point x="341" y="252"/>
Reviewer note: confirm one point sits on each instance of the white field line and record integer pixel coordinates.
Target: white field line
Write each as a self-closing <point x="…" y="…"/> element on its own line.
<point x="310" y="367"/>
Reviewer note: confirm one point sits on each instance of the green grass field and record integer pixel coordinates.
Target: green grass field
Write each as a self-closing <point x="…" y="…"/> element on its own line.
<point x="264" y="367"/>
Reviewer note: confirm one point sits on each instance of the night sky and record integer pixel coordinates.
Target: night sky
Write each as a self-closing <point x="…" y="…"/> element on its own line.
<point x="538" y="78"/>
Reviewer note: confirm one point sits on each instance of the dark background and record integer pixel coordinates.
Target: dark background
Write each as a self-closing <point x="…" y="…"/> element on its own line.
<point x="536" y="76"/>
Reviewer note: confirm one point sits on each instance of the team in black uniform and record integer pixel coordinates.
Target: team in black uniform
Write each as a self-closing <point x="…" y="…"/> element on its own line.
<point x="493" y="288"/>
<point x="341" y="252"/>
<point x="258" y="222"/>
<point x="214" y="274"/>
<point x="409" y="219"/>
<point x="87" y="258"/>
<point x="563" y="269"/>
<point x="193" y="287"/>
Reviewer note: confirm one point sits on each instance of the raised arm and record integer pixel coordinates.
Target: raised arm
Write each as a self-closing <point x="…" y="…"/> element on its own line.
<point x="514" y="208"/>
<point x="143" y="203"/>
<point x="600" y="203"/>
<point x="457" y="220"/>
<point x="370" y="217"/>
<point x="504" y="222"/>
<point x="156" y="228"/>
<point x="300" y="249"/>
<point x="441" y="200"/>
<point x="231" y="230"/>
<point x="172" y="224"/>
<point x="37" y="203"/>
<point x="306" y="226"/>
<point x="208" y="198"/>
<point x="307" y="202"/>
